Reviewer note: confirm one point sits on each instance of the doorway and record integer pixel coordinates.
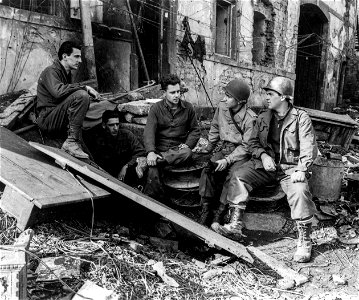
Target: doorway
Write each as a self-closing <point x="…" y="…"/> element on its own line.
<point x="311" y="53"/>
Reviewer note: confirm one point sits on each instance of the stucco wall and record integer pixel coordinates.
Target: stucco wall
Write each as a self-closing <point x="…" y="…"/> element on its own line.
<point x="29" y="43"/>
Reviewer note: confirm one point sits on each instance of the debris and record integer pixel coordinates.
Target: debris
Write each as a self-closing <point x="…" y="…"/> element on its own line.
<point x="53" y="268"/>
<point x="328" y="210"/>
<point x="338" y="280"/>
<point x="285" y="284"/>
<point x="161" y="271"/>
<point x="199" y="264"/>
<point x="139" y="108"/>
<point x="123" y="231"/>
<point x="221" y="259"/>
<point x="216" y="272"/>
<point x="324" y="235"/>
<point x="13" y="267"/>
<point x="168" y="245"/>
<point x="279" y="266"/>
<point x="91" y="290"/>
<point x="264" y="222"/>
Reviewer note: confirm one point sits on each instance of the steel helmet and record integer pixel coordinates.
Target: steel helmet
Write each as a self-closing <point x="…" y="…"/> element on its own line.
<point x="238" y="89"/>
<point x="282" y="86"/>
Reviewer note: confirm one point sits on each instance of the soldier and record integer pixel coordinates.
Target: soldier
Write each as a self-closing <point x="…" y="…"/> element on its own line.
<point x="231" y="128"/>
<point x="283" y="147"/>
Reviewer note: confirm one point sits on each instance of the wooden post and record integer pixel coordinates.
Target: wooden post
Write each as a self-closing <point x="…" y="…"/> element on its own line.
<point x="87" y="39"/>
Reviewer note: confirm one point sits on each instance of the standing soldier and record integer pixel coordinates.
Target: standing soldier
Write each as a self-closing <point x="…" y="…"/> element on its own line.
<point x="283" y="148"/>
<point x="231" y="128"/>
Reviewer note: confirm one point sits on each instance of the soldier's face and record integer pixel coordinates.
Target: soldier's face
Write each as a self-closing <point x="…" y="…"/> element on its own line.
<point x="73" y="60"/>
<point x="231" y="103"/>
<point x="173" y="94"/>
<point x="274" y="100"/>
<point x="112" y="126"/>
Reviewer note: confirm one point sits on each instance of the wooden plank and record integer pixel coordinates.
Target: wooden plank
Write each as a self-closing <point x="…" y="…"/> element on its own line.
<point x="279" y="266"/>
<point x="325" y="116"/>
<point x="37" y="177"/>
<point x="202" y="232"/>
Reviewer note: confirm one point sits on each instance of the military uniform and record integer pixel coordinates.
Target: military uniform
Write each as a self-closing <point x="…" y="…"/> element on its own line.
<point x="228" y="141"/>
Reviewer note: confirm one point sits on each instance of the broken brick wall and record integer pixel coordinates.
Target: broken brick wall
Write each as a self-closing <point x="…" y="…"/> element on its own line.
<point x="259" y="56"/>
<point x="272" y="37"/>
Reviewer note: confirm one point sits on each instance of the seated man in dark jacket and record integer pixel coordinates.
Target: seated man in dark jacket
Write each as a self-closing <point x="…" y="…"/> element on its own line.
<point x="62" y="104"/>
<point x="170" y="134"/>
<point x="117" y="150"/>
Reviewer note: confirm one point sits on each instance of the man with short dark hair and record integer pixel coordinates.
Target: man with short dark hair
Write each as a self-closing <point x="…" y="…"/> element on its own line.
<point x="283" y="147"/>
<point x="117" y="150"/>
<point x="170" y="134"/>
<point x="62" y="104"/>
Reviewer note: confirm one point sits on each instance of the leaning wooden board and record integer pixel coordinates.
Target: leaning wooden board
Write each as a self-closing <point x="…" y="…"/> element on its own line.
<point x="211" y="237"/>
<point x="33" y="181"/>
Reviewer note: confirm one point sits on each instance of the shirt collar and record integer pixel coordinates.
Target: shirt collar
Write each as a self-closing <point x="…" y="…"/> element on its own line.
<point x="181" y="104"/>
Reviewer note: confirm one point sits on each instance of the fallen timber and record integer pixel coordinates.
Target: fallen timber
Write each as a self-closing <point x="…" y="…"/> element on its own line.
<point x="210" y="237"/>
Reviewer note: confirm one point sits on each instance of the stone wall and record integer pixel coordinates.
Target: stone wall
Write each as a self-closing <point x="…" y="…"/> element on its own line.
<point x="281" y="47"/>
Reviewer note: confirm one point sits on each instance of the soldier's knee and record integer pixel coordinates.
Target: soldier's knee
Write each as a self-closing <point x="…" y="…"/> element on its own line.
<point x="187" y="153"/>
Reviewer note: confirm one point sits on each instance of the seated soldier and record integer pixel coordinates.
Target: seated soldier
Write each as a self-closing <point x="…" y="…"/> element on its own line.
<point x="283" y="147"/>
<point x="62" y="104"/>
<point x="118" y="151"/>
<point x="171" y="132"/>
<point x="231" y="128"/>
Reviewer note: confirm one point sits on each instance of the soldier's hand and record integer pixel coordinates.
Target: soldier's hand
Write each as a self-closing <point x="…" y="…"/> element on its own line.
<point x="298" y="176"/>
<point x="122" y="174"/>
<point x="183" y="146"/>
<point x="221" y="165"/>
<point x="92" y="92"/>
<point x="268" y="162"/>
<point x="152" y="158"/>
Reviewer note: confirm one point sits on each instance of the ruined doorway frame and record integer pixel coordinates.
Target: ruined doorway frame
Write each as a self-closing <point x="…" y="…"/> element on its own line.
<point x="323" y="14"/>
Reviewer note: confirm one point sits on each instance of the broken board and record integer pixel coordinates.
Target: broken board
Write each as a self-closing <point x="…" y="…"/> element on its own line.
<point x="34" y="182"/>
<point x="211" y="237"/>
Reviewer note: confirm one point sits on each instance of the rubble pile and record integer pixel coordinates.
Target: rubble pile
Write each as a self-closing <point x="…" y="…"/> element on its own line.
<point x="64" y="260"/>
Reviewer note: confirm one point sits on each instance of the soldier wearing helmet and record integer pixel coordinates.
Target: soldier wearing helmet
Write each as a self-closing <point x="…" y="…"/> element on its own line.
<point x="231" y="128"/>
<point x="283" y="148"/>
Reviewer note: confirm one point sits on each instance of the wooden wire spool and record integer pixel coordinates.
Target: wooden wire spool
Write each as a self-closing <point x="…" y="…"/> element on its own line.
<point x="183" y="183"/>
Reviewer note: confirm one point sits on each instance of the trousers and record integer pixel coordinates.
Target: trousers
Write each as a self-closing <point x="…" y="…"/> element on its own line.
<point x="247" y="177"/>
<point x="154" y="185"/>
<point x="70" y="112"/>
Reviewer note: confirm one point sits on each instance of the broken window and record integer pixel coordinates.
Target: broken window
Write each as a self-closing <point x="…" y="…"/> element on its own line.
<point x="225" y="28"/>
<point x="39" y="6"/>
<point x="259" y="38"/>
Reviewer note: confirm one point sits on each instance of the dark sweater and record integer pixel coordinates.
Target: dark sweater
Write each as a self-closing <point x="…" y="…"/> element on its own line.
<point x="54" y="86"/>
<point x="166" y="129"/>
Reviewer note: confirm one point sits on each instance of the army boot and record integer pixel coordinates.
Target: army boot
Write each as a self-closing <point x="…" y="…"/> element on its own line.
<point x="233" y="229"/>
<point x="206" y="212"/>
<point x="304" y="243"/>
<point x="72" y="145"/>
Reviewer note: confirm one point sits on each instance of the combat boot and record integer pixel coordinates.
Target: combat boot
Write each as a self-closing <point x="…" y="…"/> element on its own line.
<point x="72" y="145"/>
<point x="219" y="213"/>
<point x="304" y="243"/>
<point x="206" y="212"/>
<point x="233" y="229"/>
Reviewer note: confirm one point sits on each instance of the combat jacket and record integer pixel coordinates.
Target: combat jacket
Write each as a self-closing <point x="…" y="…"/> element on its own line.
<point x="223" y="129"/>
<point x="298" y="147"/>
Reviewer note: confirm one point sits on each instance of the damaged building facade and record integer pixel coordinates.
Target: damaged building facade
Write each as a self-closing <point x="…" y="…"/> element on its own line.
<point x="206" y="42"/>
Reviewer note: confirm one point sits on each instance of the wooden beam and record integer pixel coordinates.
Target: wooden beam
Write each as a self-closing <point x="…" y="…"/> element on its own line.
<point x="209" y="236"/>
<point x="278" y="266"/>
<point x="87" y="39"/>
